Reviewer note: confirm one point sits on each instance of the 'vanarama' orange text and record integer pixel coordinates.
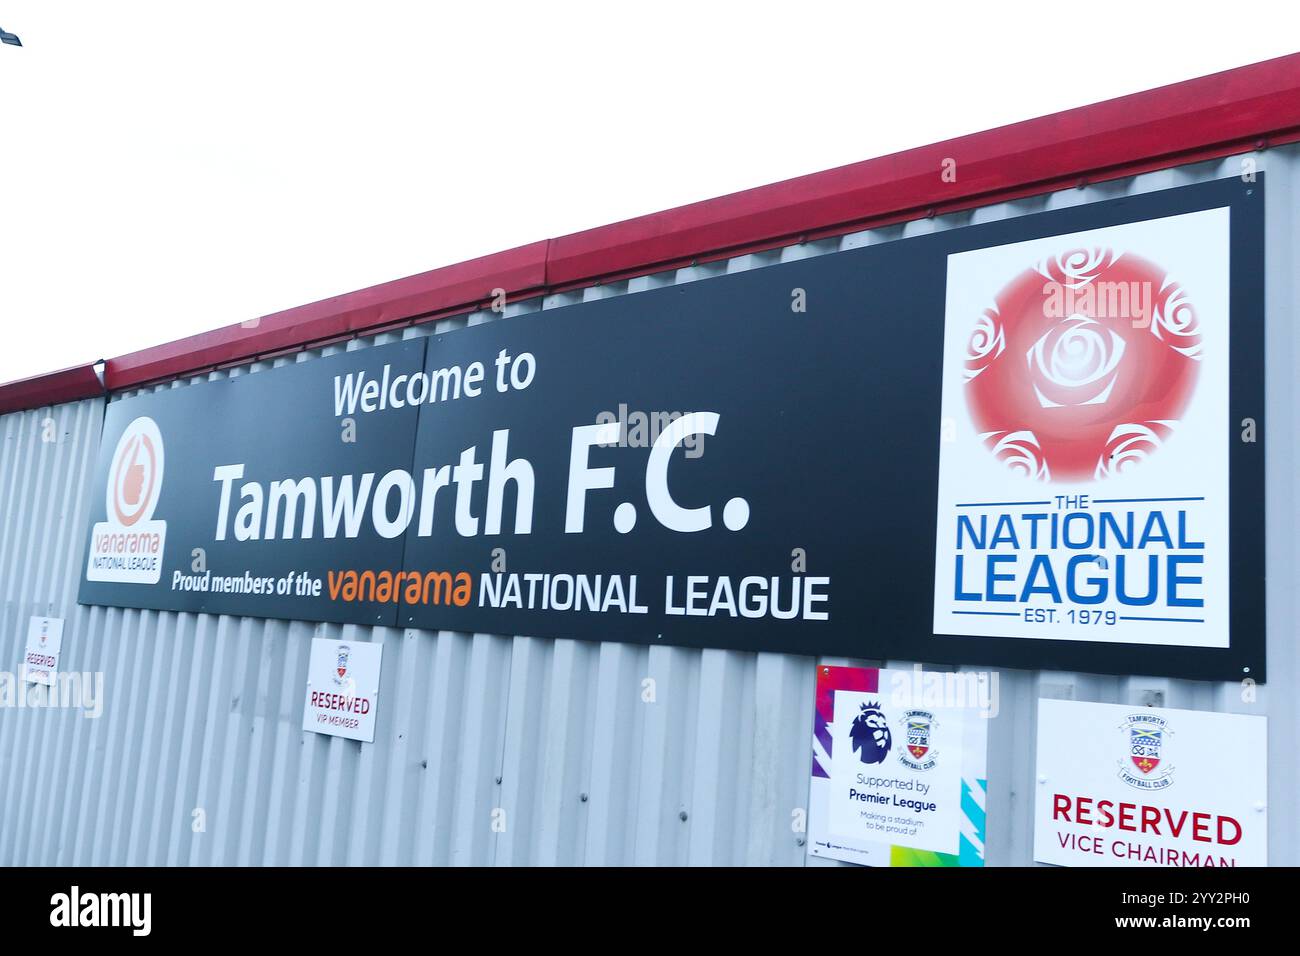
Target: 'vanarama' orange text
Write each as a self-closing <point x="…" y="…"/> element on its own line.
<point x="413" y="587"/>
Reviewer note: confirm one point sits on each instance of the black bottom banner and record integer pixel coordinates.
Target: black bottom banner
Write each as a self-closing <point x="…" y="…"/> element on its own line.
<point x="340" y="906"/>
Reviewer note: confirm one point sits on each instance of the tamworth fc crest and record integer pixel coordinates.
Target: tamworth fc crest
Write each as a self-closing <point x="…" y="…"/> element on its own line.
<point x="918" y="749"/>
<point x="1146" y="767"/>
<point x="341" y="665"/>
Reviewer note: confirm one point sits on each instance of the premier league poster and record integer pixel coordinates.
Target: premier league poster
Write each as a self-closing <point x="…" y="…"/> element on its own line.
<point x="898" y="768"/>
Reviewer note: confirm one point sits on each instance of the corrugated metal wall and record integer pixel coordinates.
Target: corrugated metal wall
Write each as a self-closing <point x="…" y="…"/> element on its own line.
<point x="514" y="750"/>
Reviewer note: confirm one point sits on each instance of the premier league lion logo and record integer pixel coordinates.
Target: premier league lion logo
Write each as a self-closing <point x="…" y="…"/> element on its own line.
<point x="870" y="734"/>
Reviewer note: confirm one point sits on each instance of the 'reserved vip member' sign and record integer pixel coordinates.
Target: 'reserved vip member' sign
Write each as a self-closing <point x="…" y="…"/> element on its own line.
<point x="753" y="461"/>
<point x="898" y="773"/>
<point x="1137" y="786"/>
<point x="342" y="695"/>
<point x="44" y="644"/>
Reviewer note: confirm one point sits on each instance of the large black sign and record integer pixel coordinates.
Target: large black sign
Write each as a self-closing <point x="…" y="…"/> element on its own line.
<point x="966" y="447"/>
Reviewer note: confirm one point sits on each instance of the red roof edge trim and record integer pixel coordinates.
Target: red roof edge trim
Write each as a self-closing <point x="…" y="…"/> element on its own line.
<point x="937" y="209"/>
<point x="53" y="388"/>
<point x="351" y="313"/>
<point x="1204" y="118"/>
<point x="1234" y="109"/>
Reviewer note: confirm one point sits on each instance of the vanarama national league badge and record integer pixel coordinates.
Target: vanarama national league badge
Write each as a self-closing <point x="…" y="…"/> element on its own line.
<point x="127" y="547"/>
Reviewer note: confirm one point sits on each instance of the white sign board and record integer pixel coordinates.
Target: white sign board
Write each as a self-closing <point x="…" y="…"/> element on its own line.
<point x="1083" y="482"/>
<point x="342" y="689"/>
<point x="1136" y="786"/>
<point x="44" y="642"/>
<point x="898" y="768"/>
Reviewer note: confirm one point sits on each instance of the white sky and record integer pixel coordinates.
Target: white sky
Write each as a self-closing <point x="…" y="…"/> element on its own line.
<point x="167" y="168"/>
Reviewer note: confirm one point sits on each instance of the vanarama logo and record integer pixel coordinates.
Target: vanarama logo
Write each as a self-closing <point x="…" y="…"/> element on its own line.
<point x="1083" y="367"/>
<point x="413" y="587"/>
<point x="128" y="547"/>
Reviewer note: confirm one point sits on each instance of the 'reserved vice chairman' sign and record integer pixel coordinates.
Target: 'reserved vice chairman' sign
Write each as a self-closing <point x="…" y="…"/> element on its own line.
<point x="1012" y="443"/>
